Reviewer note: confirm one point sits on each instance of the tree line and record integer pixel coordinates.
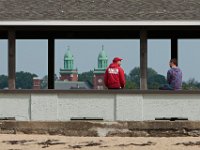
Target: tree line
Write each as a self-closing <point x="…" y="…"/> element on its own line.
<point x="154" y="80"/>
<point x="24" y="80"/>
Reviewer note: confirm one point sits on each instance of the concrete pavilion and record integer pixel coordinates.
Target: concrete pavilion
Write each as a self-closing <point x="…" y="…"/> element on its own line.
<point x="97" y="19"/>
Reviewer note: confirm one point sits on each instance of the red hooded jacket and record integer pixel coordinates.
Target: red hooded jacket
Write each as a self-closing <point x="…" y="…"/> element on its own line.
<point x="114" y="77"/>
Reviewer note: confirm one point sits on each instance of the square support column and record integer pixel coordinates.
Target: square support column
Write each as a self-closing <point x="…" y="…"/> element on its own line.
<point x="174" y="48"/>
<point x="143" y="60"/>
<point x="11" y="59"/>
<point x="51" y="60"/>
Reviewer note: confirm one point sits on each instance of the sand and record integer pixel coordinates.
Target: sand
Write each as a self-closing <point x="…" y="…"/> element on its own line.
<point x="48" y="142"/>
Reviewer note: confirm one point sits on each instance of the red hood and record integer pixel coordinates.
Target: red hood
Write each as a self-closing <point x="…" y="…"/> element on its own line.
<point x="113" y="65"/>
<point x="114" y="77"/>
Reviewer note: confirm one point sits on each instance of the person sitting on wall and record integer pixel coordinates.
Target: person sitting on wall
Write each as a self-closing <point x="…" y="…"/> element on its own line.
<point x="174" y="77"/>
<point x="114" y="76"/>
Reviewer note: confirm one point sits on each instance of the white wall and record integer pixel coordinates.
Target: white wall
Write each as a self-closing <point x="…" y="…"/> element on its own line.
<point x="111" y="107"/>
<point x="15" y="106"/>
<point x="171" y="106"/>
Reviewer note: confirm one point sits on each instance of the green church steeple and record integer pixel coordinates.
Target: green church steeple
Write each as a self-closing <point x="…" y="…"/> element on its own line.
<point x="68" y="60"/>
<point x="68" y="73"/>
<point x="102" y="59"/>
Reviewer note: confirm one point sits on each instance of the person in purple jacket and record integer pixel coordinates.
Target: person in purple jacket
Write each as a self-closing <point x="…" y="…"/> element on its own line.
<point x="174" y="77"/>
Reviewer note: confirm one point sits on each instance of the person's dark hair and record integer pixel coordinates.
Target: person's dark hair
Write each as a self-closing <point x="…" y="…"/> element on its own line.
<point x="174" y="61"/>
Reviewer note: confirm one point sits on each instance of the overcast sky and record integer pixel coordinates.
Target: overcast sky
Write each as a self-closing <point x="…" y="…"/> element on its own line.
<point x="32" y="55"/>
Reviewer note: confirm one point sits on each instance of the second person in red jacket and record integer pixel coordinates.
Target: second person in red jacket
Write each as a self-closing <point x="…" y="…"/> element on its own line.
<point x="114" y="76"/>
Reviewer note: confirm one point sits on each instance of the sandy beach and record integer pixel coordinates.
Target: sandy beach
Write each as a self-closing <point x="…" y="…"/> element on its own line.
<point x="49" y="142"/>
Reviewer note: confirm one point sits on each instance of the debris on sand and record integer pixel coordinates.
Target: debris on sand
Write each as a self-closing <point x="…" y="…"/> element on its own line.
<point x="88" y="144"/>
<point x="189" y="143"/>
<point x="47" y="143"/>
<point x="16" y="142"/>
<point x="149" y="143"/>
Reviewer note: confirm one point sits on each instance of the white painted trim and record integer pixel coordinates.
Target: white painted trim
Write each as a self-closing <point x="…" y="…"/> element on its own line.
<point x="99" y="23"/>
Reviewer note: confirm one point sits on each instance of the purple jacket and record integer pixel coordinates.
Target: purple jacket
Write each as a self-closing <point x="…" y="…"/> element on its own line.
<point x="174" y="78"/>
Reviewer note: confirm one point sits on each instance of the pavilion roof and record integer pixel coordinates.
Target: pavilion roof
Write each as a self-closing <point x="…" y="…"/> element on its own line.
<point x="99" y="10"/>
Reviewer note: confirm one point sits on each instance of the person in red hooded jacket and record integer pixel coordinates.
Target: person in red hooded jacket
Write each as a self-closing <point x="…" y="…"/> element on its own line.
<point x="114" y="76"/>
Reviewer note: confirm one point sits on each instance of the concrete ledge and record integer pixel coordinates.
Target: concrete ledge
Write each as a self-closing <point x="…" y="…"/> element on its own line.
<point x="114" y="105"/>
<point x="164" y="125"/>
<point x="96" y="129"/>
<point x="123" y="91"/>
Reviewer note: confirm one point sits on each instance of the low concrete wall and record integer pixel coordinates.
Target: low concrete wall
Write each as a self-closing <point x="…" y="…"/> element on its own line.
<point x="102" y="129"/>
<point x="110" y="105"/>
<point x="15" y="105"/>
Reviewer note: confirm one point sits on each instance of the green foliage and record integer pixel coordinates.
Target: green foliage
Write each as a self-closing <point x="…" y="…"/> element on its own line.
<point x="155" y="80"/>
<point x="3" y="81"/>
<point x="24" y="80"/>
<point x="130" y="85"/>
<point x="134" y="77"/>
<point x="86" y="76"/>
<point x="44" y="82"/>
<point x="191" y="84"/>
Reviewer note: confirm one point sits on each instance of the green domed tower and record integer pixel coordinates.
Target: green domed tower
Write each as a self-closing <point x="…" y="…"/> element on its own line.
<point x="69" y="73"/>
<point x="102" y="59"/>
<point x="98" y="79"/>
<point x="68" y="60"/>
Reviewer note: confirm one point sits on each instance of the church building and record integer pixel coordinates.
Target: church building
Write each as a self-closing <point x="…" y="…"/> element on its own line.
<point x="98" y="80"/>
<point x="68" y="73"/>
<point x="69" y="76"/>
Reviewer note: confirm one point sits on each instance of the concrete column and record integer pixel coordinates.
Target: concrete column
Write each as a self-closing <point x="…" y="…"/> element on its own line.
<point x="11" y="58"/>
<point x="51" y="60"/>
<point x="174" y="48"/>
<point x="143" y="60"/>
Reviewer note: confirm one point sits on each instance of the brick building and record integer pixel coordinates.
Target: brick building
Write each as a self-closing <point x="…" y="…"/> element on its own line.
<point x="68" y="72"/>
<point x="98" y="80"/>
<point x="69" y="76"/>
